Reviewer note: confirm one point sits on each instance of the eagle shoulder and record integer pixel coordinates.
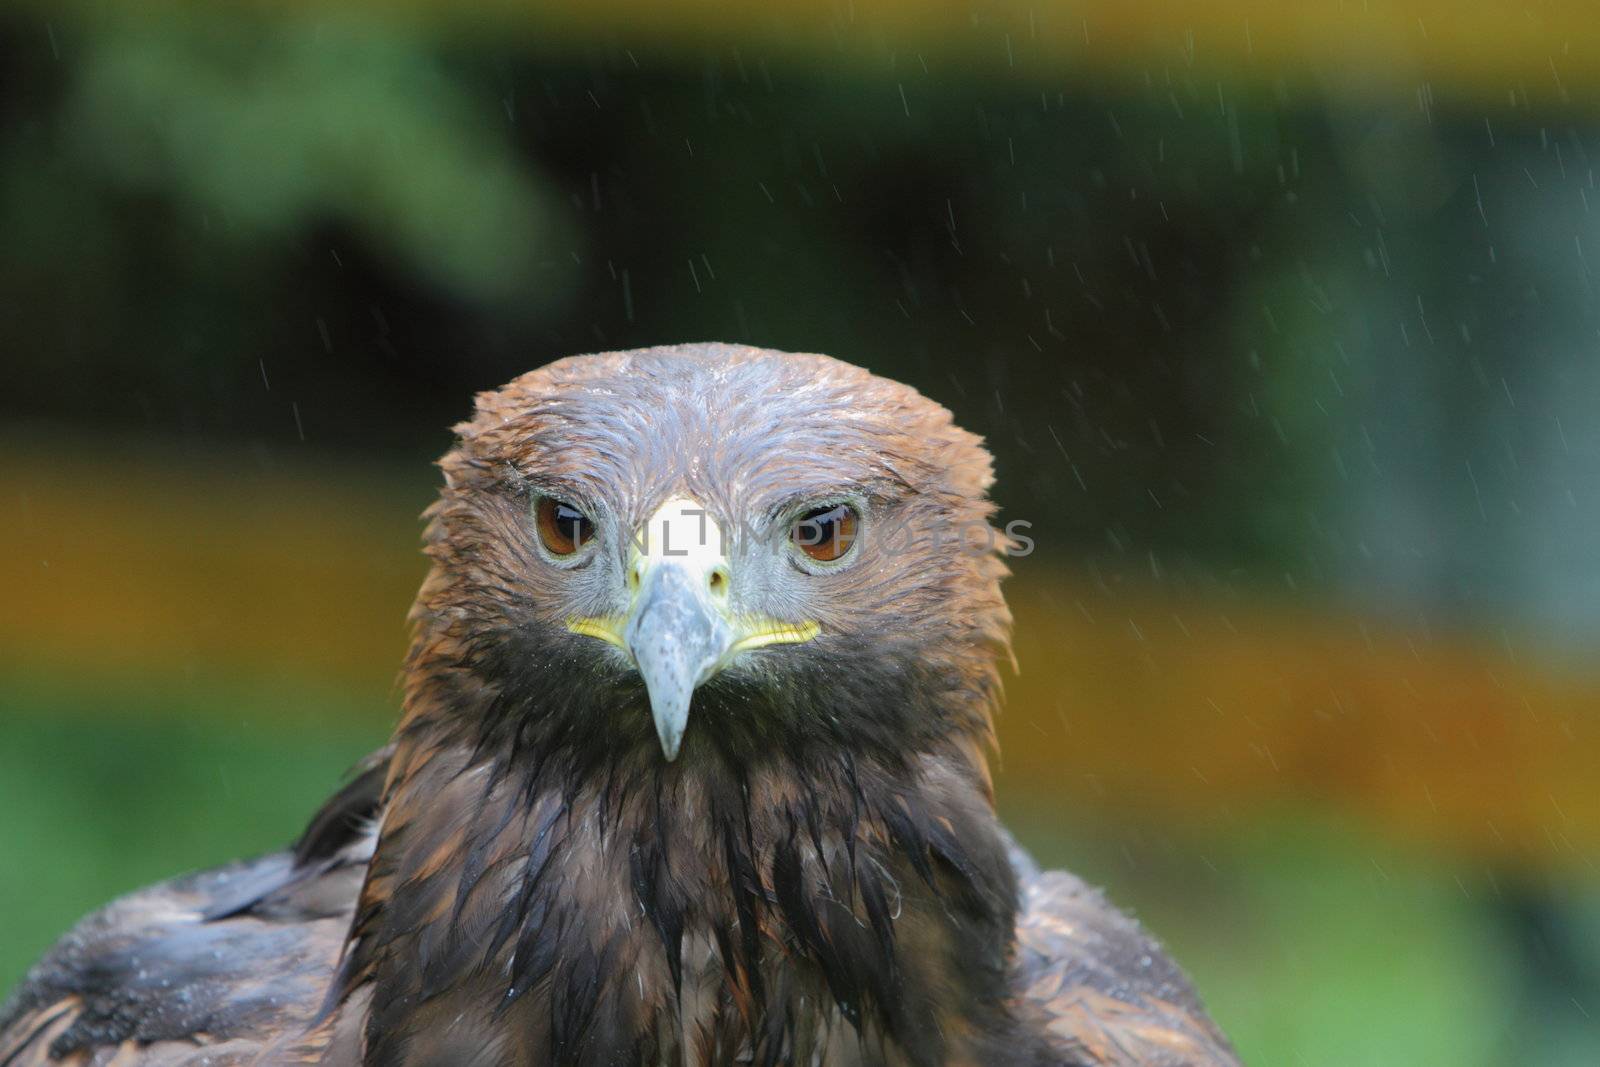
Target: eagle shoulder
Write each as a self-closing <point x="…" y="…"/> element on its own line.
<point x="202" y="969"/>
<point x="1105" y="992"/>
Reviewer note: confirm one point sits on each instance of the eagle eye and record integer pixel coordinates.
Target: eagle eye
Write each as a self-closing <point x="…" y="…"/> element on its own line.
<point x="827" y="533"/>
<point x="563" y="529"/>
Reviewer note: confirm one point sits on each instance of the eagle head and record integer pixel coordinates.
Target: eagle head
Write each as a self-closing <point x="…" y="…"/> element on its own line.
<point x="705" y="551"/>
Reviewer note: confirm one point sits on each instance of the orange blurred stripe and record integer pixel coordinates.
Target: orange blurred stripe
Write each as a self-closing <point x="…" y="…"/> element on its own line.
<point x="1213" y="712"/>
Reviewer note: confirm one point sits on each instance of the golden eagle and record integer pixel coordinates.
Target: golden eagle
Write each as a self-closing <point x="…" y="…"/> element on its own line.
<point x="692" y="770"/>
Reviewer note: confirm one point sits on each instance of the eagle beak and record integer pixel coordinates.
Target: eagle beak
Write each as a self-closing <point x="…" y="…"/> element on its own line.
<point x="678" y="634"/>
<point x="680" y="628"/>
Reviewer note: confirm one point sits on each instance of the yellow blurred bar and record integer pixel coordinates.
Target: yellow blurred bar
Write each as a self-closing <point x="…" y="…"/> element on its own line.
<point x="1510" y="51"/>
<point x="120" y="562"/>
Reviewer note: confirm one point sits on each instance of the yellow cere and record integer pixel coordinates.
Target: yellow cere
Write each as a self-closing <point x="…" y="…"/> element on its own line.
<point x="755" y="633"/>
<point x="606" y="628"/>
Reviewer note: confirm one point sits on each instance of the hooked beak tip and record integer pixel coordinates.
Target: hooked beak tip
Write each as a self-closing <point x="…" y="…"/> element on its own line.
<point x="669" y="708"/>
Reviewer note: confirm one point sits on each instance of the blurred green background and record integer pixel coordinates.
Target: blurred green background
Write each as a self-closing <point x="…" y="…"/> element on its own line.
<point x="1280" y="321"/>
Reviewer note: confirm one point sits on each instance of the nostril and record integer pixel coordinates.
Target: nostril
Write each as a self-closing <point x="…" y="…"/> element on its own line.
<point x="718" y="581"/>
<point x="635" y="575"/>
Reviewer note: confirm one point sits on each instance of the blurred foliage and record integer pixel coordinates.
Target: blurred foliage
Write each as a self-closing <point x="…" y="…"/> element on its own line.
<point x="263" y="128"/>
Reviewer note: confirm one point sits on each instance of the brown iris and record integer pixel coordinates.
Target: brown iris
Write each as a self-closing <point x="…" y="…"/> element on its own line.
<point x="563" y="528"/>
<point x="826" y="533"/>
